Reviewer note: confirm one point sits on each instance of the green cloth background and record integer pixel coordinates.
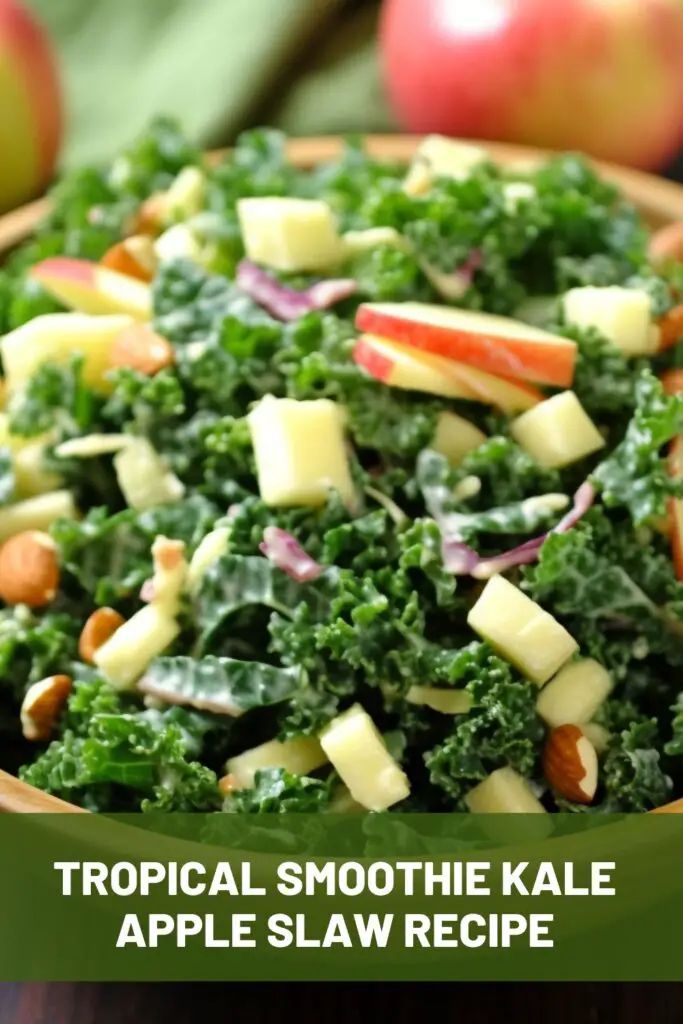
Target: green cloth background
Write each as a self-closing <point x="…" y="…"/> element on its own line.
<point x="219" y="65"/>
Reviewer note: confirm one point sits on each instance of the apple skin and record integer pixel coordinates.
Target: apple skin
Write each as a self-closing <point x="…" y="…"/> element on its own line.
<point x="602" y="76"/>
<point x="401" y="366"/>
<point x="467" y="337"/>
<point x="30" y="106"/>
<point x="91" y="288"/>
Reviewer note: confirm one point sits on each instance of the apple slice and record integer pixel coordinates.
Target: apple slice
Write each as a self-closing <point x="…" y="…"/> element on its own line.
<point x="493" y="343"/>
<point x="401" y="366"/>
<point x="91" y="288"/>
<point x="55" y="338"/>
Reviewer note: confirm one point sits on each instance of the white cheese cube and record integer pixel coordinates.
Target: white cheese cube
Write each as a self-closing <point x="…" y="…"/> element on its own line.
<point x="575" y="693"/>
<point x="622" y="315"/>
<point x="300" y="451"/>
<point x="125" y="656"/>
<point x="503" y="792"/>
<point x="300" y="756"/>
<point x="360" y="757"/>
<point x="523" y="632"/>
<point x="290" y="234"/>
<point x="439" y="156"/>
<point x="557" y="432"/>
<point x="455" y="437"/>
<point x="144" y="477"/>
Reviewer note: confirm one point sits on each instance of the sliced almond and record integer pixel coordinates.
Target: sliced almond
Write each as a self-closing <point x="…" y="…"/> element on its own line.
<point x="134" y="256"/>
<point x="140" y="348"/>
<point x="42" y="706"/>
<point x="102" y="624"/>
<point x="151" y="215"/>
<point x="29" y="569"/>
<point x="570" y="764"/>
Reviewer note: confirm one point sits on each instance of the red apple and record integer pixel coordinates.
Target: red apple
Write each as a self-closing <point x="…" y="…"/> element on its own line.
<point x="496" y="344"/>
<point x="30" y="106"/>
<point x="603" y="76"/>
<point x="401" y="366"/>
<point x="91" y="288"/>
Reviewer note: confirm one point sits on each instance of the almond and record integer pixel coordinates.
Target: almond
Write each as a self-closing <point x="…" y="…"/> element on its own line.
<point x="102" y="624"/>
<point x="42" y="706"/>
<point x="667" y="243"/>
<point x="151" y="215"/>
<point x="134" y="256"/>
<point x="671" y="327"/>
<point x="227" y="785"/>
<point x="570" y="764"/>
<point x="29" y="569"/>
<point x="140" y="348"/>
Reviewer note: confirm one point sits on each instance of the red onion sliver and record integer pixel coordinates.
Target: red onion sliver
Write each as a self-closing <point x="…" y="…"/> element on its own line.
<point x="462" y="560"/>
<point x="286" y="553"/>
<point x="287" y="303"/>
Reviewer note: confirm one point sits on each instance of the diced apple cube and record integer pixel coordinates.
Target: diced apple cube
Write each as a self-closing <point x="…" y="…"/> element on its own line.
<point x="343" y="803"/>
<point x="301" y="756"/>
<point x="557" y="432"/>
<point x="575" y="693"/>
<point x="622" y="315"/>
<point x="144" y="477"/>
<point x="439" y="156"/>
<point x="522" y="631"/>
<point x="455" y="437"/>
<point x="178" y="243"/>
<point x="448" y="702"/>
<point x="597" y="735"/>
<point x="300" y="451"/>
<point x="360" y="757"/>
<point x="185" y="195"/>
<point x="37" y="513"/>
<point x="290" y="234"/>
<point x="125" y="656"/>
<point x="56" y="338"/>
<point x="504" y="792"/>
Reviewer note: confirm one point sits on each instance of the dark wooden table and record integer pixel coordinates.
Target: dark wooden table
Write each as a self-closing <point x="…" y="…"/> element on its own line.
<point x="271" y="1004"/>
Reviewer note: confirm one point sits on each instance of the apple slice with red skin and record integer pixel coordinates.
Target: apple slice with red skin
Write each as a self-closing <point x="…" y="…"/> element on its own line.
<point x="401" y="366"/>
<point x="91" y="288"/>
<point x="496" y="344"/>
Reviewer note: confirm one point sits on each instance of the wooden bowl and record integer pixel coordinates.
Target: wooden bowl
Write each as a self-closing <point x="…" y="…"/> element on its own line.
<point x="659" y="201"/>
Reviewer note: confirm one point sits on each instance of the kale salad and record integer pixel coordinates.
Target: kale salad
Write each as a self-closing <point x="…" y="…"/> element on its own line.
<point x="350" y="488"/>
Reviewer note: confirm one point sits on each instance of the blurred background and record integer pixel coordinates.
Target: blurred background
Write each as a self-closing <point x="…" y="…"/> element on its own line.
<point x="80" y="78"/>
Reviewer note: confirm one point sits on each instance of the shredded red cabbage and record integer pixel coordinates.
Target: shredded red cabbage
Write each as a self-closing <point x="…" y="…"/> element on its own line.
<point x="286" y="553"/>
<point x="287" y="303"/>
<point x="462" y="560"/>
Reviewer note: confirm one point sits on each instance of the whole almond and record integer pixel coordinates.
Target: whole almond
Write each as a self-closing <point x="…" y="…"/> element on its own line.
<point x="102" y="624"/>
<point x="140" y="348"/>
<point x="29" y="569"/>
<point x="134" y="257"/>
<point x="570" y="764"/>
<point x="42" y="706"/>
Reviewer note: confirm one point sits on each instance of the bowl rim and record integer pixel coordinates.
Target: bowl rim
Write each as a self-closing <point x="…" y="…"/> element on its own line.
<point x="659" y="200"/>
